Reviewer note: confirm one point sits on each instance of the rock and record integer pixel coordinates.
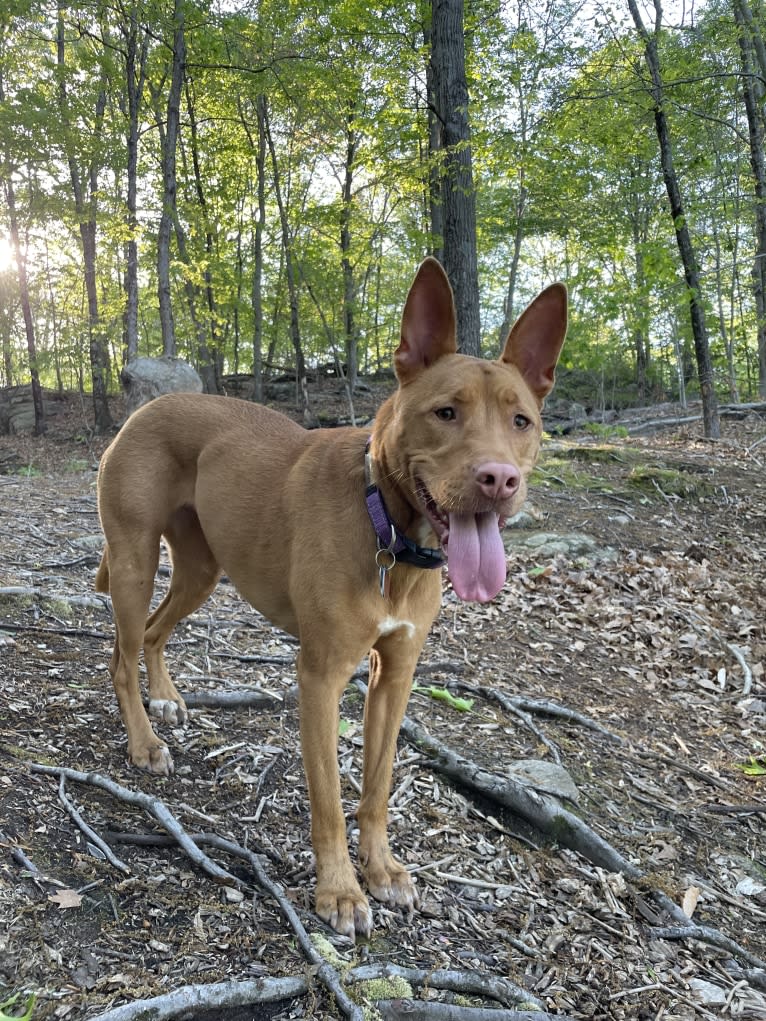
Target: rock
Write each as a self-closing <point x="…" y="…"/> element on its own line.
<point x="146" y="378"/>
<point x="708" y="993"/>
<point x="17" y="412"/>
<point x="562" y="416"/>
<point x="546" y="777"/>
<point x="524" y="519"/>
<point x="574" y="546"/>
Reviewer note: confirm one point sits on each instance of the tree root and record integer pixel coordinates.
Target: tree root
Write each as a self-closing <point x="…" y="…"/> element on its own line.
<point x="187" y="1000"/>
<point x="549" y="817"/>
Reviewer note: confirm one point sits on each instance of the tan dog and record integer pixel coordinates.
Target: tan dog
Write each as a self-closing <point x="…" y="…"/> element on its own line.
<point x="291" y="516"/>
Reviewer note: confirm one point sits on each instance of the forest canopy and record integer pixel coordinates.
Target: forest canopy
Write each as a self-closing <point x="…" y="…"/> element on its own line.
<point x="246" y="185"/>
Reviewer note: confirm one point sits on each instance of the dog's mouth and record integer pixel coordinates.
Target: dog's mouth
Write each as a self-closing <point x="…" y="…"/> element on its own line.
<point x="473" y="544"/>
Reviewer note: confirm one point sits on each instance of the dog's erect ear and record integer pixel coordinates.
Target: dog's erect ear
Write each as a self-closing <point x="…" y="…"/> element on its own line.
<point x="428" y="322"/>
<point x="535" y="340"/>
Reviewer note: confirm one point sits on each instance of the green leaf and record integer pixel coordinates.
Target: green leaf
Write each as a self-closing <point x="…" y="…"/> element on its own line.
<point x="753" y="766"/>
<point x="343" y="728"/>
<point x="17" y="1017"/>
<point x="462" y="705"/>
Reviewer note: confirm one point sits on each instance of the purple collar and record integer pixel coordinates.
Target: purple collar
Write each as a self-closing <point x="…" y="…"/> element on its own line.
<point x="401" y="549"/>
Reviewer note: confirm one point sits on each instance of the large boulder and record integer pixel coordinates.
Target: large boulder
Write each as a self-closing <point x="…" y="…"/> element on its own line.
<point x="143" y="379"/>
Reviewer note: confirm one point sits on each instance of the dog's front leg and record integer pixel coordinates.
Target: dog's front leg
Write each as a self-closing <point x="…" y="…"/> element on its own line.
<point x="339" y="898"/>
<point x="392" y="663"/>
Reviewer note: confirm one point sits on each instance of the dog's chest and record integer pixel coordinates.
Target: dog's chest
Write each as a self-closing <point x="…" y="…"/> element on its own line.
<point x="389" y="625"/>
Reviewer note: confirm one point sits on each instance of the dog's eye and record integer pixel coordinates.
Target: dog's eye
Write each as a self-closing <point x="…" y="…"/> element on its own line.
<point x="445" y="414"/>
<point x="521" y="422"/>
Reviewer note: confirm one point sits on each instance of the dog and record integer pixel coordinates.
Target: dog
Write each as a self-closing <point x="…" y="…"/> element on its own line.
<point x="337" y="537"/>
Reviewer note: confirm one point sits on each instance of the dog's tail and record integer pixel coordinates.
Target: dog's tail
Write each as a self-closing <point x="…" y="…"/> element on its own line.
<point x="102" y="574"/>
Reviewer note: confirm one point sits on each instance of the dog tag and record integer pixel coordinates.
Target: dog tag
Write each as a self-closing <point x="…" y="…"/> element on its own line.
<point x="385" y="559"/>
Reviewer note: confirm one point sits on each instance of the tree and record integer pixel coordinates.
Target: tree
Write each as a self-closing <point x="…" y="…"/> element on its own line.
<point x="457" y="190"/>
<point x="710" y="419"/>
<point x="753" y="55"/>
<point x="169" y="184"/>
<point x="135" y="39"/>
<point x="84" y="179"/>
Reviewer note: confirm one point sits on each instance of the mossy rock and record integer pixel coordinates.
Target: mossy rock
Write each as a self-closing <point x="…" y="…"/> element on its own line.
<point x="669" y="481"/>
<point x="600" y="453"/>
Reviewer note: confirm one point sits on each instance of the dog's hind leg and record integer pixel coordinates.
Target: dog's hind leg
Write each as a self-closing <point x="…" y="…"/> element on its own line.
<point x="133" y="559"/>
<point x="195" y="575"/>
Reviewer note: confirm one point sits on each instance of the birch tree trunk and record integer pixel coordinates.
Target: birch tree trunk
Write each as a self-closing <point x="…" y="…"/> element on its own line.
<point x="711" y="423"/>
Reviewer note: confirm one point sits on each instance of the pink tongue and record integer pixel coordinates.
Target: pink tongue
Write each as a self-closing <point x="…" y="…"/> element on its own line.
<point x="475" y="556"/>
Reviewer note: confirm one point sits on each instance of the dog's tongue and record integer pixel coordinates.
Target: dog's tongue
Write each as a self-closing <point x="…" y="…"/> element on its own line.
<point x="476" y="556"/>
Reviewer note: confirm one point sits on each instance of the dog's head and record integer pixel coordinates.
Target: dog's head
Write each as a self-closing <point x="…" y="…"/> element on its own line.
<point x="462" y="434"/>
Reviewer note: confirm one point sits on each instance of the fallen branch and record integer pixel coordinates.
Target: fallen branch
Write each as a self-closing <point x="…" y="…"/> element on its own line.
<point x="416" y="1010"/>
<point x="543" y="811"/>
<point x="714" y="938"/>
<point x="90" y="833"/>
<point x="523" y="707"/>
<point x="548" y="816"/>
<point x="473" y="983"/>
<point x="325" y="973"/>
<point x="251" y="698"/>
<point x="188" y="1000"/>
<point x="724" y="410"/>
<point x="155" y="808"/>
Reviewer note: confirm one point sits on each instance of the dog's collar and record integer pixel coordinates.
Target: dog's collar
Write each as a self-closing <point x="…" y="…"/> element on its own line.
<point x="401" y="550"/>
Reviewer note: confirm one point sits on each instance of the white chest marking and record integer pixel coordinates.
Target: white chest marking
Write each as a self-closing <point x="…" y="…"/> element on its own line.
<point x="390" y="624"/>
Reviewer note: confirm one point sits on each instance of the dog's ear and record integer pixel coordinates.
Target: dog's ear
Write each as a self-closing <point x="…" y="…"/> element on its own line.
<point x="535" y="340"/>
<point x="428" y="322"/>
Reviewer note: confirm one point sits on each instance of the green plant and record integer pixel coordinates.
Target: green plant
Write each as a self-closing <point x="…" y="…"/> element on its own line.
<point x="11" y="1001"/>
<point x="461" y="705"/>
<point x="606" y="431"/>
<point x="753" y="767"/>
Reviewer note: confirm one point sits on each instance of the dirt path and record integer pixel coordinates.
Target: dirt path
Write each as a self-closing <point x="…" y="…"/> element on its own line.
<point x="651" y="630"/>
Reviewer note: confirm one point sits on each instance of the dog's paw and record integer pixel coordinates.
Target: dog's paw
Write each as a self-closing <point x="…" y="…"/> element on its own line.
<point x="349" y="914"/>
<point x="168" y="711"/>
<point x="394" y="886"/>
<point x="154" y="759"/>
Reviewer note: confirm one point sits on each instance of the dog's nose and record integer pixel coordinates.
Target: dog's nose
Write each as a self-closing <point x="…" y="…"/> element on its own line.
<point x="498" y="481"/>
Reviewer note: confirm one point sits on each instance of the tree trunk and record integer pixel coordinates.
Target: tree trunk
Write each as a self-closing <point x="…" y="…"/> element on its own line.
<point x="173" y="116"/>
<point x="518" y="237"/>
<point x="753" y="94"/>
<point x="212" y="311"/>
<point x="349" y="296"/>
<point x="639" y="217"/>
<point x="26" y="306"/>
<point x="435" y="208"/>
<point x="260" y="223"/>
<point x="86" y="215"/>
<point x="458" y="195"/>
<point x="135" y="68"/>
<point x="711" y="423"/>
<point x="292" y="290"/>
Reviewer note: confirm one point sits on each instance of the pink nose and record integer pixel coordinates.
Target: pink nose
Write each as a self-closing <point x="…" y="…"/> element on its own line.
<point x="498" y="481"/>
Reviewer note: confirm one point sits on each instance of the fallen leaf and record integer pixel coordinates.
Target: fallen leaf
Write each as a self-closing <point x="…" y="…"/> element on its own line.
<point x="66" y="898"/>
<point x="690" y="900"/>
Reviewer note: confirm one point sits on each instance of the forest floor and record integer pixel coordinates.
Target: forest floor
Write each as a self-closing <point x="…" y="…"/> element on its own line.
<point x="635" y="598"/>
